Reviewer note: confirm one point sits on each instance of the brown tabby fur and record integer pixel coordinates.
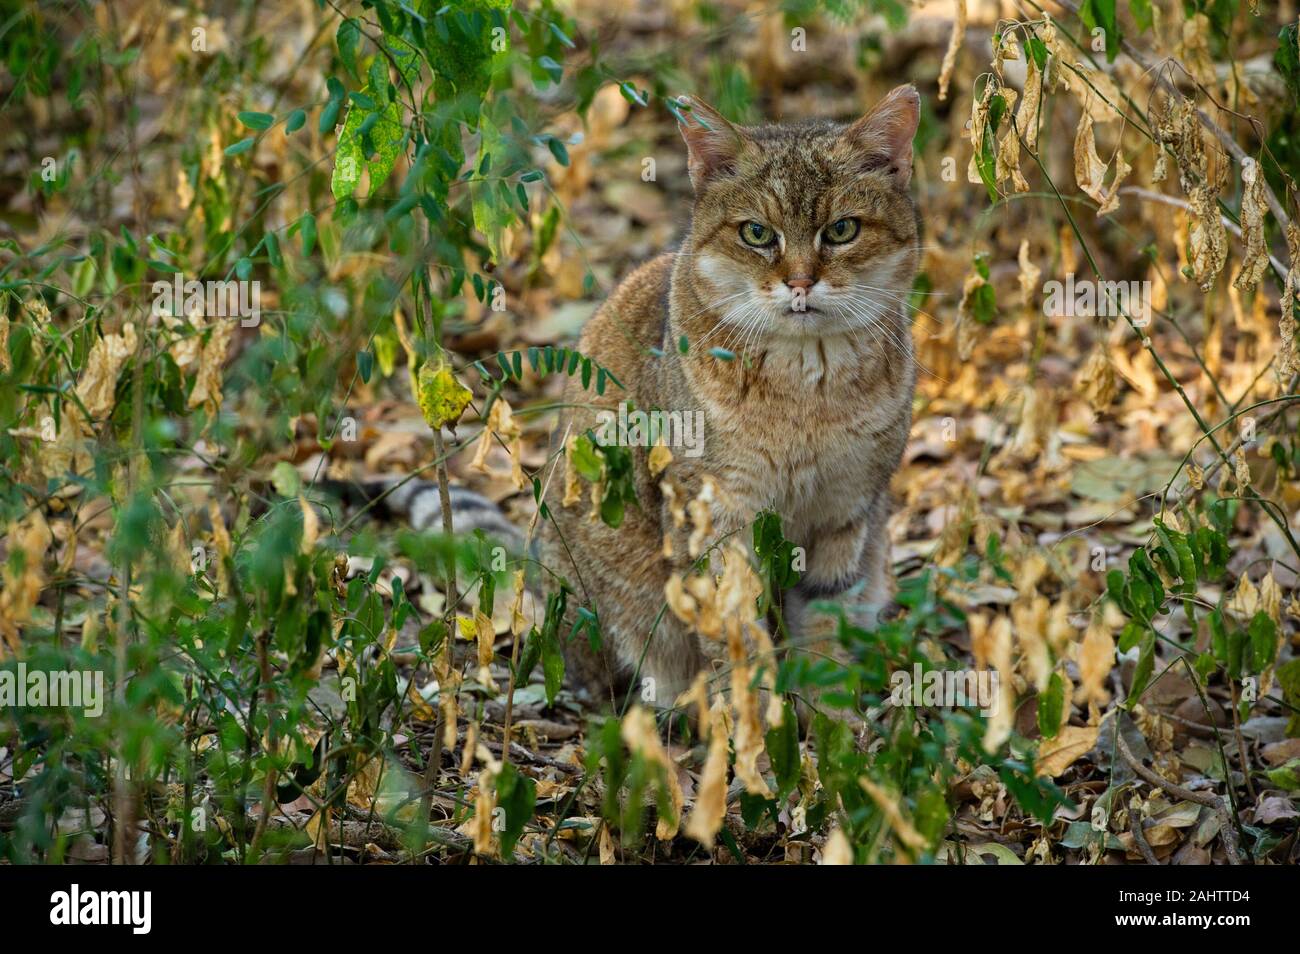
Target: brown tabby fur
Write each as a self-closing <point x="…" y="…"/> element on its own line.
<point x="810" y="418"/>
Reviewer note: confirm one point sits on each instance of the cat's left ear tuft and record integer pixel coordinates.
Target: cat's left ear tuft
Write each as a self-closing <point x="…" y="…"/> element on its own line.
<point x="713" y="145"/>
<point x="884" y="136"/>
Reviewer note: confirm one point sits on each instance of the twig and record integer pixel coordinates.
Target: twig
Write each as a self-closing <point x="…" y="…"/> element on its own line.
<point x="268" y="698"/>
<point x="1241" y="743"/>
<point x="1139" y="839"/>
<point x="1152" y="196"/>
<point x="1238" y="443"/>
<point x="1227" y="825"/>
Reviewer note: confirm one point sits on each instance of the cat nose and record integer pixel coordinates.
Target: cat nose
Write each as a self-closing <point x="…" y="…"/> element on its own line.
<point x="804" y="283"/>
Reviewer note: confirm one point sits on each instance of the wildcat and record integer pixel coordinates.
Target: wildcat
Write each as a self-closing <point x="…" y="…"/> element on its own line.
<point x="800" y="254"/>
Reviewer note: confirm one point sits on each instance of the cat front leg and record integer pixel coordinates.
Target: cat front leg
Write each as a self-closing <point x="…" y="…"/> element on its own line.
<point x="848" y="566"/>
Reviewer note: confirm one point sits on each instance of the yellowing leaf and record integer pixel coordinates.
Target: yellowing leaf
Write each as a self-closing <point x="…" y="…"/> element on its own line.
<point x="642" y="735"/>
<point x="441" y="397"/>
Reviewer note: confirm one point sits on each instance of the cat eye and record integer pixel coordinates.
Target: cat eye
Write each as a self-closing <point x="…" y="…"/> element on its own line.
<point x="841" y="231"/>
<point x="756" y="234"/>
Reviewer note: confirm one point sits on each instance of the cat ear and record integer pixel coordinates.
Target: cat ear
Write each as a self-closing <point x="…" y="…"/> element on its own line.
<point x="713" y="145"/>
<point x="884" y="135"/>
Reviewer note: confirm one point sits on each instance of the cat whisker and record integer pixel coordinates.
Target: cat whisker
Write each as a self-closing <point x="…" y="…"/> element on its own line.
<point x="869" y="321"/>
<point x="902" y="300"/>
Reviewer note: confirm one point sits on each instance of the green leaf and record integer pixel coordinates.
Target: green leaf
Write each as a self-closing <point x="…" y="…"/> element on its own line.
<point x="1051" y="707"/>
<point x="774" y="552"/>
<point x="558" y="150"/>
<point x="783" y="750"/>
<point x="1288" y="677"/>
<point x="552" y="665"/>
<point x="517" y="797"/>
<point x="1146" y="665"/>
<point x="307" y="232"/>
<point x="272" y="245"/>
<point x="1263" y="642"/>
<point x="986" y="154"/>
<point x="285" y="479"/>
<point x="491" y="215"/>
<point x="329" y="116"/>
<point x="297" y="119"/>
<point x="240" y="147"/>
<point x="1101" y="13"/>
<point x="347" y="37"/>
<point x="386" y="134"/>
<point x="379" y="79"/>
<point x="1286" y="776"/>
<point x="585" y="459"/>
<point x="258" y="121"/>
<point x="1141" y="11"/>
<point x="552" y="69"/>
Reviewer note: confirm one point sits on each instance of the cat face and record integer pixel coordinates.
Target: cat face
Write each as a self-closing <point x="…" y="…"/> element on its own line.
<point x="803" y="230"/>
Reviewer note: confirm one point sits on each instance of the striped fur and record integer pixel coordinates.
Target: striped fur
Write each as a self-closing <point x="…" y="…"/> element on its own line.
<point x="419" y="503"/>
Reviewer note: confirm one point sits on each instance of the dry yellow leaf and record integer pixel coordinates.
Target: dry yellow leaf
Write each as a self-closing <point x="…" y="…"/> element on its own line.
<point x="1071" y="743"/>
<point x="572" y="482"/>
<point x="1029" y="275"/>
<point x="1254" y="260"/>
<point x="99" y="378"/>
<point x="748" y="739"/>
<point x="1270" y="597"/>
<point x="701" y="517"/>
<point x="518" y="621"/>
<point x="6" y="365"/>
<point x="660" y="457"/>
<point x="698" y="693"/>
<point x="711" y="796"/>
<point x="607" y="854"/>
<point x="1090" y="171"/>
<point x="1096" y="380"/>
<point x="837" y="850"/>
<point x="995" y="646"/>
<point x="24" y="577"/>
<point x="310" y="525"/>
<point x="954" y="46"/>
<point x="221" y="542"/>
<point x="207" y="382"/>
<point x="501" y="423"/>
<point x="1096" y="658"/>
